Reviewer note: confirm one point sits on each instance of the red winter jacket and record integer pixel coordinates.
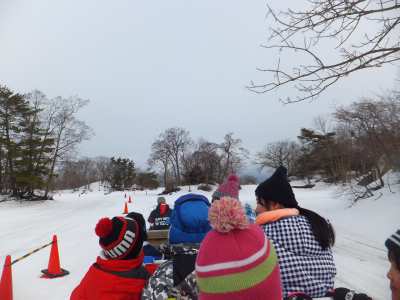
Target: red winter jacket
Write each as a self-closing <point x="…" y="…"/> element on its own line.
<point x="113" y="280"/>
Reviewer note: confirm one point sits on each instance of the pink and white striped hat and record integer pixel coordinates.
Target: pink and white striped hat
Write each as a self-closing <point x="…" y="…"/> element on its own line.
<point x="236" y="260"/>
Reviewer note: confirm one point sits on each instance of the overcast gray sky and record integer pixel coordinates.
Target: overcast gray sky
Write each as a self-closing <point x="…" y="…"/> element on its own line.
<point x="150" y="65"/>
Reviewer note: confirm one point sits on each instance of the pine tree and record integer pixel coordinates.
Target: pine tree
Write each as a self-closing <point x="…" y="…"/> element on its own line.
<point x="13" y="107"/>
<point x="129" y="170"/>
<point x="36" y="148"/>
<point x="122" y="174"/>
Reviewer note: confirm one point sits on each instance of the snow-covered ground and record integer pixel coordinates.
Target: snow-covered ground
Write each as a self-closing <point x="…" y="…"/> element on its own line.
<point x="359" y="252"/>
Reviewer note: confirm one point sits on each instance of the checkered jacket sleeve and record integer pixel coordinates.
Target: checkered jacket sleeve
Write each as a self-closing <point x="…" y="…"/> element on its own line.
<point x="304" y="265"/>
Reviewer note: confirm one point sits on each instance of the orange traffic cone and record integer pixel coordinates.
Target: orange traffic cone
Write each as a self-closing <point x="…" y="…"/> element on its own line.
<point x="6" y="281"/>
<point x="130" y="200"/>
<point x="125" y="208"/>
<point x="54" y="270"/>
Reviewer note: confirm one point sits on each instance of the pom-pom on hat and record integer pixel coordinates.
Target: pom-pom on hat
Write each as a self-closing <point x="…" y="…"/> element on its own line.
<point x="236" y="260"/>
<point x="230" y="188"/>
<point x="119" y="237"/>
<point x="277" y="189"/>
<point x="226" y="216"/>
<point x="104" y="227"/>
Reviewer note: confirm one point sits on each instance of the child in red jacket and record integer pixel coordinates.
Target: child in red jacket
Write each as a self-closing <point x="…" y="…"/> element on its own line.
<point x="118" y="273"/>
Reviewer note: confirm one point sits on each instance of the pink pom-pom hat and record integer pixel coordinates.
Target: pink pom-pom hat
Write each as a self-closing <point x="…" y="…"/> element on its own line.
<point x="236" y="260"/>
<point x="229" y="188"/>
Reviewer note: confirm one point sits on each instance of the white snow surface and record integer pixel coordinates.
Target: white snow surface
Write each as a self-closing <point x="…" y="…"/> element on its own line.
<point x="361" y="230"/>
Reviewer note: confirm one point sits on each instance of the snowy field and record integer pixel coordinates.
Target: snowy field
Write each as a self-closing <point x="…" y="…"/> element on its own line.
<point x="359" y="252"/>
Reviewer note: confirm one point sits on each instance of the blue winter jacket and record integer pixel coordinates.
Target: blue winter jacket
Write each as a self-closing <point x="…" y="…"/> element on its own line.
<point x="189" y="219"/>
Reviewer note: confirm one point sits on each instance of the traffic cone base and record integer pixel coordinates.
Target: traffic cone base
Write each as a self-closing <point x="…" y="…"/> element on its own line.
<point x="48" y="275"/>
<point x="54" y="269"/>
<point x="6" y="292"/>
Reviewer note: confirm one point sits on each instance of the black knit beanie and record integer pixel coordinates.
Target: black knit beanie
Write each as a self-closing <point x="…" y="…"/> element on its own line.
<point x="393" y="245"/>
<point x="393" y="242"/>
<point x="119" y="237"/>
<point x="277" y="189"/>
<point x="140" y="220"/>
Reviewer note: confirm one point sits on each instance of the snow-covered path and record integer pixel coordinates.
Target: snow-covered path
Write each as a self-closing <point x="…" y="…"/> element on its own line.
<point x="361" y="267"/>
<point x="359" y="251"/>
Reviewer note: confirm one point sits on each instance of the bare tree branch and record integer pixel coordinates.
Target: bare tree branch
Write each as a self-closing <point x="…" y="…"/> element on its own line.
<point x="302" y="32"/>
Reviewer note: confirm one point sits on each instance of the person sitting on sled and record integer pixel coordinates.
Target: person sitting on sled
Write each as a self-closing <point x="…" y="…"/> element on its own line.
<point x="302" y="238"/>
<point x="230" y="188"/>
<point x="159" y="217"/>
<point x="236" y="261"/>
<point x="175" y="278"/>
<point x="118" y="273"/>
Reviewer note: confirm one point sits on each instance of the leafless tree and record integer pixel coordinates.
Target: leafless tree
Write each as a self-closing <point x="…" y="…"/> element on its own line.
<point x="366" y="33"/>
<point x="176" y="141"/>
<point x="160" y="157"/>
<point x="102" y="168"/>
<point x="203" y="164"/>
<point x="323" y="124"/>
<point x="73" y="174"/>
<point x="281" y="153"/>
<point x="66" y="129"/>
<point x="209" y="160"/>
<point x="375" y="129"/>
<point x="233" y="155"/>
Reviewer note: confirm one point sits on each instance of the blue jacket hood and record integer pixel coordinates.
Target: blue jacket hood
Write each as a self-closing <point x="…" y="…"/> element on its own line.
<point x="189" y="219"/>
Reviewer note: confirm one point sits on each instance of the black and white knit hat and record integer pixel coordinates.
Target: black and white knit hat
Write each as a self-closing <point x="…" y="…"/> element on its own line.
<point x="119" y="237"/>
<point x="393" y="242"/>
<point x="277" y="189"/>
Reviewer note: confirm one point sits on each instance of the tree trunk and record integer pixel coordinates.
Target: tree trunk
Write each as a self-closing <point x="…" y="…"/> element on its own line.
<point x="178" y="174"/>
<point x="1" y="170"/>
<point x="53" y="164"/>
<point x="51" y="174"/>
<point x="10" y="166"/>
<point x="165" y="175"/>
<point x="379" y="173"/>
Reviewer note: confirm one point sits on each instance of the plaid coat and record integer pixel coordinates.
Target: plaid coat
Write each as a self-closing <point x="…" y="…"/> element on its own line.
<point x="304" y="265"/>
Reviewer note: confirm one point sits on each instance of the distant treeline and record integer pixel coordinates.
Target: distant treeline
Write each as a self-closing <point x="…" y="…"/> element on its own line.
<point x="38" y="136"/>
<point x="358" y="143"/>
<point x="117" y="174"/>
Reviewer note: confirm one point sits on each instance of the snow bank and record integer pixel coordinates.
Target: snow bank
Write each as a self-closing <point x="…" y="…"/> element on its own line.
<point x="359" y="252"/>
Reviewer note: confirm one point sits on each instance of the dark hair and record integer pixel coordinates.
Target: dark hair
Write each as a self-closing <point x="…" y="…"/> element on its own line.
<point x="323" y="230"/>
<point x="394" y="256"/>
